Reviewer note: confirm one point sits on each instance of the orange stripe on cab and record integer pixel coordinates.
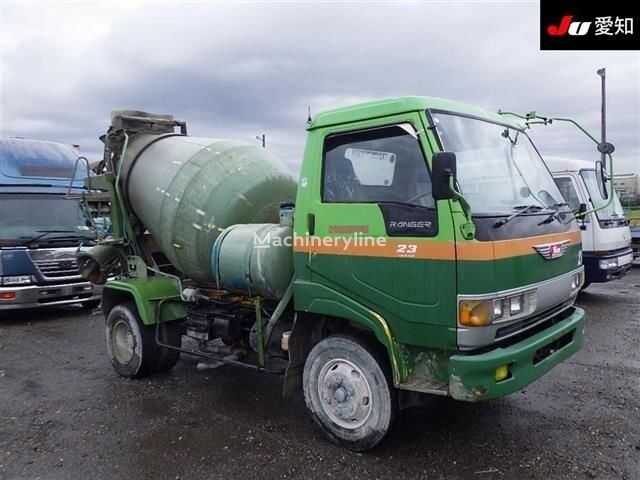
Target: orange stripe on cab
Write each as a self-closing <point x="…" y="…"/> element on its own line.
<point x="392" y="248"/>
<point x="432" y="250"/>
<point x="512" y="248"/>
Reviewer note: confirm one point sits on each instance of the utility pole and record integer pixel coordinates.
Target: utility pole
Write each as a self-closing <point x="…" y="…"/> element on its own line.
<point x="602" y="73"/>
<point x="262" y="139"/>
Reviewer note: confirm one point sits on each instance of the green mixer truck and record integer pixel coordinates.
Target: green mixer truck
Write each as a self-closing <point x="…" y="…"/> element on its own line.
<point x="424" y="248"/>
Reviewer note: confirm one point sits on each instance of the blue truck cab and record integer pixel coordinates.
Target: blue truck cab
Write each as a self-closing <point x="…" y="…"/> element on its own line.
<point x="41" y="229"/>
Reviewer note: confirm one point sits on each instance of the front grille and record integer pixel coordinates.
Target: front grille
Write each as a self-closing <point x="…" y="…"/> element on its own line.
<point x="536" y="328"/>
<point x="526" y="323"/>
<point x="57" y="269"/>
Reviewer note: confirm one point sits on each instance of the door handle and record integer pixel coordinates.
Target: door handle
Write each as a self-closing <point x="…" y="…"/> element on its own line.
<point x="311" y="230"/>
<point x="311" y="223"/>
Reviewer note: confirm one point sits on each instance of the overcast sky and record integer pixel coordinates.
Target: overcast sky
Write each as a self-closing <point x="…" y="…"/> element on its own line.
<point x="238" y="70"/>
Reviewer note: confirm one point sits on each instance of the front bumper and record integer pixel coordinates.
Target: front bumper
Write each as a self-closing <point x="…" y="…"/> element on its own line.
<point x="33" y="296"/>
<point x="594" y="273"/>
<point x="472" y="377"/>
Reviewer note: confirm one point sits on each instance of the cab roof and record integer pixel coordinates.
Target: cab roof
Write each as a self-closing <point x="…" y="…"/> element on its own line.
<point x="563" y="164"/>
<point x="38" y="165"/>
<point x="398" y="105"/>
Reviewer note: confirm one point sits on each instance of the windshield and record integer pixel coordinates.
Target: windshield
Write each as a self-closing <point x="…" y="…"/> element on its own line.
<point x="24" y="216"/>
<point x="498" y="169"/>
<point x="614" y="210"/>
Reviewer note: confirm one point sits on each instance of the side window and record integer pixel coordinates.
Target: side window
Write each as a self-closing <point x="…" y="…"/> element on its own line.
<point x="568" y="190"/>
<point x="375" y="166"/>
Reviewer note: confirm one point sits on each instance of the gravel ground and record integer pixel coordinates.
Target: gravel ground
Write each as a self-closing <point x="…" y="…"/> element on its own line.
<point x="65" y="414"/>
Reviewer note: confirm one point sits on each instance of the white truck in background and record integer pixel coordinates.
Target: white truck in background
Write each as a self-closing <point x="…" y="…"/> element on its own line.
<point x="606" y="237"/>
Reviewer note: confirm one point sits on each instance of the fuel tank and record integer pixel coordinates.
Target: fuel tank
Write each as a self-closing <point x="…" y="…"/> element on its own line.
<point x="187" y="190"/>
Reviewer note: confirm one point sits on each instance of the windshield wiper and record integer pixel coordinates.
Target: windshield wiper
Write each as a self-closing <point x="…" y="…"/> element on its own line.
<point x="407" y="204"/>
<point x="75" y="236"/>
<point x="522" y="209"/>
<point x="554" y="215"/>
<point x="81" y="239"/>
<point x="26" y="185"/>
<point x="506" y="134"/>
<point x="43" y="233"/>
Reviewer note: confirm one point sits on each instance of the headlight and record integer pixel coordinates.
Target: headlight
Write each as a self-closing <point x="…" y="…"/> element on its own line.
<point x="515" y="304"/>
<point x="607" y="264"/>
<point x="16" y="279"/>
<point x="478" y="313"/>
<point x="497" y="308"/>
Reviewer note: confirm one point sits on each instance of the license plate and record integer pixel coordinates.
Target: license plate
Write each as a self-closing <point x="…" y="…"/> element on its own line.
<point x="625" y="259"/>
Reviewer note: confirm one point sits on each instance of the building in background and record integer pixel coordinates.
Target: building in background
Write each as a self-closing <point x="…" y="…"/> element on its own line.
<point x="627" y="185"/>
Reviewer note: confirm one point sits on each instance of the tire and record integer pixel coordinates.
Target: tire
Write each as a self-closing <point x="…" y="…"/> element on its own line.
<point x="90" y="304"/>
<point x="132" y="347"/>
<point x="349" y="393"/>
<point x="170" y="334"/>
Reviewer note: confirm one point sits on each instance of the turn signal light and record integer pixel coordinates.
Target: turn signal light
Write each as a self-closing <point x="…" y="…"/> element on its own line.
<point x="7" y="295"/>
<point x="576" y="282"/>
<point x="475" y="313"/>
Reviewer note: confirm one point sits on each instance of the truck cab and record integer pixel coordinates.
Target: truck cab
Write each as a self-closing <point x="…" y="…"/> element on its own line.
<point x="606" y="237"/>
<point x="40" y="228"/>
<point x="483" y="273"/>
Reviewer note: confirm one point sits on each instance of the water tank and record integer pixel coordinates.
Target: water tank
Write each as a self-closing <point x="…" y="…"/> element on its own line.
<point x="187" y="190"/>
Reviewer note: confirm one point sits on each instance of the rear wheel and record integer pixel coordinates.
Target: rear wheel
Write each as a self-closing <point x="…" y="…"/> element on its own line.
<point x="348" y="390"/>
<point x="131" y="345"/>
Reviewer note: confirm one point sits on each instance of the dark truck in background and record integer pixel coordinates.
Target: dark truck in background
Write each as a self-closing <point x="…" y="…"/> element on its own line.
<point x="635" y="240"/>
<point x="41" y="227"/>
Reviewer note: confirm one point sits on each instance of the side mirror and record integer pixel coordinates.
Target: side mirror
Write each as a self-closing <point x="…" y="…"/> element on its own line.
<point x="582" y="209"/>
<point x="443" y="169"/>
<point x="601" y="179"/>
<point x="606" y="148"/>
<point x="579" y="214"/>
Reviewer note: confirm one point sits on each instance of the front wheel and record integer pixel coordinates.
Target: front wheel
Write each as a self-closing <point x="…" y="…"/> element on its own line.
<point x="131" y="345"/>
<point x="348" y="390"/>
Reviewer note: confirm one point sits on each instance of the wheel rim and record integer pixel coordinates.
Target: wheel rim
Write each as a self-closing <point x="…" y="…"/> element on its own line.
<point x="122" y="342"/>
<point x="345" y="394"/>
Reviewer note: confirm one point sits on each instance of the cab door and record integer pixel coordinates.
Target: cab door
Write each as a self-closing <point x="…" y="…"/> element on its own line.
<point x="379" y="237"/>
<point x="574" y="197"/>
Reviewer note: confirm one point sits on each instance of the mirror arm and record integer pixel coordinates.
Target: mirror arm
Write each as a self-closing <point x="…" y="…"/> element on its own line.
<point x="468" y="228"/>
<point x="580" y="127"/>
<point x="609" y="177"/>
<point x="533" y="118"/>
